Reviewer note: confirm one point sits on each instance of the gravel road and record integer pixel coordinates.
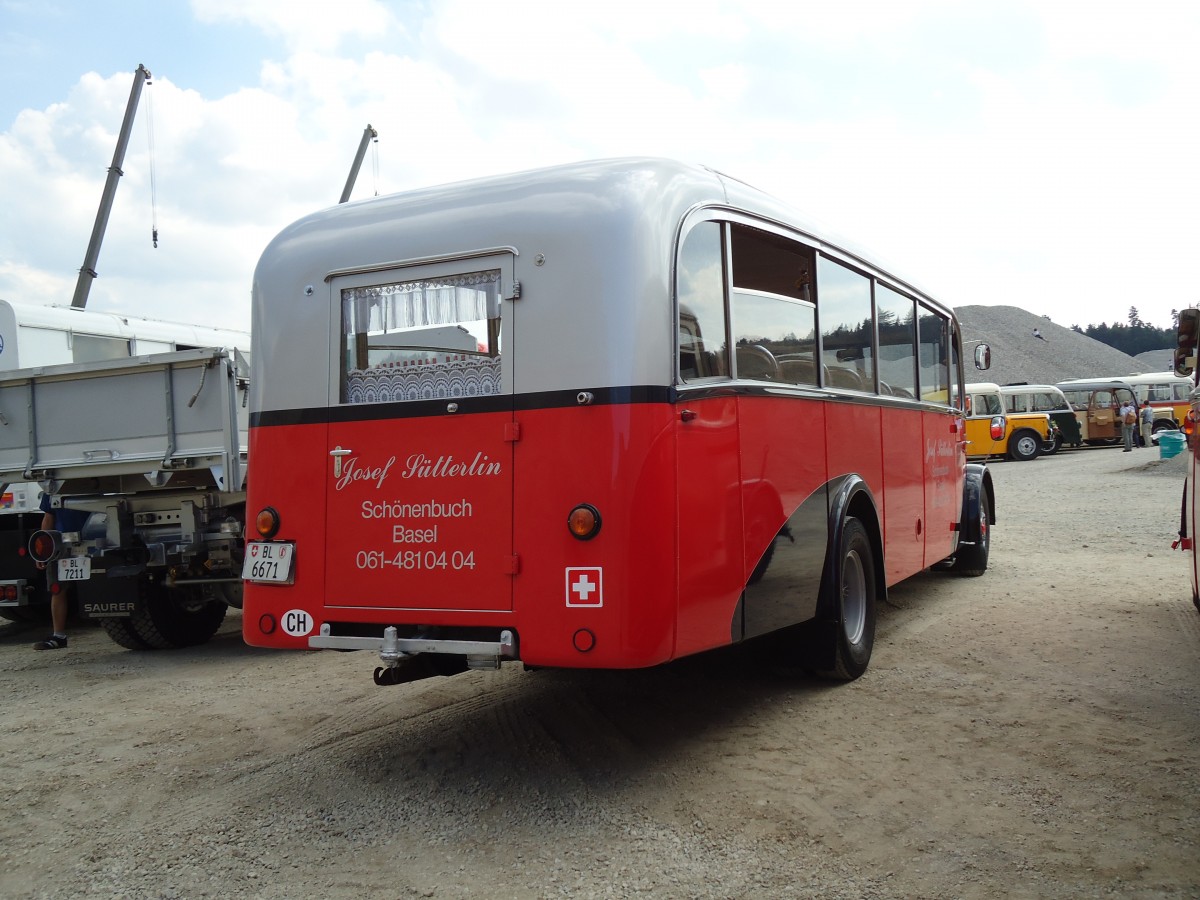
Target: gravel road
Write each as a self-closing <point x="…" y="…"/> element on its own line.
<point x="1032" y="733"/>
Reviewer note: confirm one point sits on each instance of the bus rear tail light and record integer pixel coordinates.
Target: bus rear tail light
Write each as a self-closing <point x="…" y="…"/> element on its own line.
<point x="11" y="593"/>
<point x="584" y="521"/>
<point x="266" y="523"/>
<point x="997" y="428"/>
<point x="45" y="546"/>
<point x="1189" y="423"/>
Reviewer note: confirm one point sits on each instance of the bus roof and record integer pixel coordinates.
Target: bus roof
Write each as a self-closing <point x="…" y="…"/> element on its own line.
<point x="1091" y="383"/>
<point x="1166" y="377"/>
<point x="651" y="187"/>
<point x="1026" y="388"/>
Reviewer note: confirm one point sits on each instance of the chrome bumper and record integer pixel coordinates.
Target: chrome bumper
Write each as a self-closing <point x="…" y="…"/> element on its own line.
<point x="392" y="649"/>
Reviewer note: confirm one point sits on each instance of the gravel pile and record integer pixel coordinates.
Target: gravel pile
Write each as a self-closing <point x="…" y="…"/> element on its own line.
<point x="1017" y="355"/>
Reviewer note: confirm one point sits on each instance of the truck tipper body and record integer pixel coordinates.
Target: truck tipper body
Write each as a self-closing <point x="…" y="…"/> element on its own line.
<point x="154" y="449"/>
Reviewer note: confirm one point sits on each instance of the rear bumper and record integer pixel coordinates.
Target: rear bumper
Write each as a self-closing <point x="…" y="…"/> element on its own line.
<point x="392" y="648"/>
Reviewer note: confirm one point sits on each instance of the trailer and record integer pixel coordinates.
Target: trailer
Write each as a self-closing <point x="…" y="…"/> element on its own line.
<point x="154" y="449"/>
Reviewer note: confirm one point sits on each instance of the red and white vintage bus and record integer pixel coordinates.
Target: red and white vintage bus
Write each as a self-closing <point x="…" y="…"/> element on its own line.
<point x="600" y="415"/>
<point x="1186" y="367"/>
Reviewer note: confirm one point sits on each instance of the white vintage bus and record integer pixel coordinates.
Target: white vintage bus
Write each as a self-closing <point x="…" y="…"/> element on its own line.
<point x="1167" y="393"/>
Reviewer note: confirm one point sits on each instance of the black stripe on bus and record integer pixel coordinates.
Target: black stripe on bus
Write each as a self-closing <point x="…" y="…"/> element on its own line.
<point x="412" y="409"/>
<point x="612" y="396"/>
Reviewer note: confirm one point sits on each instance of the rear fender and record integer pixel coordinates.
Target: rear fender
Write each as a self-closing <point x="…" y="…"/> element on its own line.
<point x="977" y="484"/>
<point x="852" y="497"/>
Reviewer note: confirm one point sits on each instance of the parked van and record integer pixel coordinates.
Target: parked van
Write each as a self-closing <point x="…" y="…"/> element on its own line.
<point x="1098" y="402"/>
<point x="1045" y="398"/>
<point x="991" y="431"/>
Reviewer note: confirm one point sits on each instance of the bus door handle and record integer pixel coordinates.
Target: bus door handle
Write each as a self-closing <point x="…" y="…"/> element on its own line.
<point x="337" y="453"/>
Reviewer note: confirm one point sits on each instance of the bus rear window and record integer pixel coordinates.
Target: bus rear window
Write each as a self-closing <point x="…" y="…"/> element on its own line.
<point x="427" y="339"/>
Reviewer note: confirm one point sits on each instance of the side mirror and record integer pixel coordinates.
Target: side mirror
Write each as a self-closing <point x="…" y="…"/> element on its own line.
<point x="983" y="356"/>
<point x="1185" y="362"/>
<point x="1185" y="336"/>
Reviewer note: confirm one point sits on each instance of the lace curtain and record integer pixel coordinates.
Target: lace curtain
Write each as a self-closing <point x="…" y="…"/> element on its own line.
<point x="413" y="304"/>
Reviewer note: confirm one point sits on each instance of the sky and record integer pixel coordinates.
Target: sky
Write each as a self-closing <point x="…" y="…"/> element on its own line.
<point x="1033" y="154"/>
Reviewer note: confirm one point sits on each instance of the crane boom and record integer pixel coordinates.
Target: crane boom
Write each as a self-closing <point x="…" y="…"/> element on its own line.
<point x="369" y="134"/>
<point x="87" y="274"/>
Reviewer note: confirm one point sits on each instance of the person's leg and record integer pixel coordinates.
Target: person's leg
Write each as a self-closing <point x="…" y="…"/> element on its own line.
<point x="58" y="612"/>
<point x="58" y="619"/>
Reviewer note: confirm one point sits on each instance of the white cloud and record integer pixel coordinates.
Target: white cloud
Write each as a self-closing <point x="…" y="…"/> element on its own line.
<point x="1004" y="153"/>
<point x="302" y="23"/>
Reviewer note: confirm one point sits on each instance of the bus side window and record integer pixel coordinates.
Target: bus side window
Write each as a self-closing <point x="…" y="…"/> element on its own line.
<point x="703" y="330"/>
<point x="897" y="341"/>
<point x="774" y="338"/>
<point x="934" y="332"/>
<point x="844" y="301"/>
<point x="774" y="320"/>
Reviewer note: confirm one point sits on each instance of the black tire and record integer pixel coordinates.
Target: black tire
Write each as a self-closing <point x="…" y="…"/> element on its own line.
<point x="1024" y="445"/>
<point x="971" y="560"/>
<point x="167" y="618"/>
<point x="123" y="633"/>
<point x="851" y="597"/>
<point x="1052" y="446"/>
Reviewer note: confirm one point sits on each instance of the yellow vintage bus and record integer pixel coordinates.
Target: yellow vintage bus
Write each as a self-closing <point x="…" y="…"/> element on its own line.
<point x="992" y="431"/>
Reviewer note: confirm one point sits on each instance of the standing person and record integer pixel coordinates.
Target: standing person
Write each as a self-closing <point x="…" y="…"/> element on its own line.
<point x="1146" y="420"/>
<point x="58" y="520"/>
<point x="1128" y="416"/>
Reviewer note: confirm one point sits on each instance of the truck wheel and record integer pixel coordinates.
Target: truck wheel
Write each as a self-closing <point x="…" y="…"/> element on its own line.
<point x="1024" y="445"/>
<point x="123" y="633"/>
<point x="852" y="599"/>
<point x="972" y="559"/>
<point x="182" y="617"/>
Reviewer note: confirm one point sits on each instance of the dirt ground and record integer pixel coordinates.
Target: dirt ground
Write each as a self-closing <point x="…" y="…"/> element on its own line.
<point x="1031" y="733"/>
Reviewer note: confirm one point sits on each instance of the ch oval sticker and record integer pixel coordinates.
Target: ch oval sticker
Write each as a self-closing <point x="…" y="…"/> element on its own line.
<point x="297" y="622"/>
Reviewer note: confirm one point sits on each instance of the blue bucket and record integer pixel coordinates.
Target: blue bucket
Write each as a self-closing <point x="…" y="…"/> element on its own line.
<point x="1171" y="443"/>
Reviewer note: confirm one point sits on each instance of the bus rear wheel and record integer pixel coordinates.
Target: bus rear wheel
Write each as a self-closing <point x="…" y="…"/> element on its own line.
<point x="852" y="599"/>
<point x="972" y="560"/>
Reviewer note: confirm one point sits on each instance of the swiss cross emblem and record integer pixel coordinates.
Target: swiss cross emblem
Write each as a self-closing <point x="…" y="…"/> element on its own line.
<point x="585" y="587"/>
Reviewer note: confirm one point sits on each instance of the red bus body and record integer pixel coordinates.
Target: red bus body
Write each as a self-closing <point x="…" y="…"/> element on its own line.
<point x="1186" y="355"/>
<point x="443" y="515"/>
